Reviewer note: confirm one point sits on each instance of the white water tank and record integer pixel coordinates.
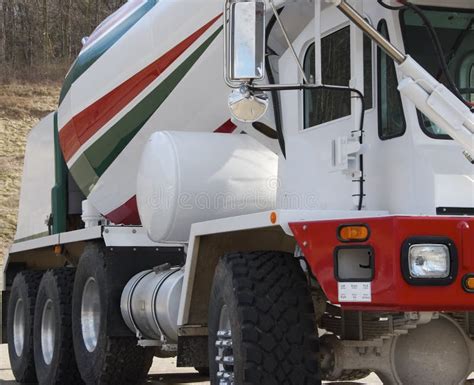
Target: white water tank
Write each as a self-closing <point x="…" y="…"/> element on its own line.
<point x="190" y="177"/>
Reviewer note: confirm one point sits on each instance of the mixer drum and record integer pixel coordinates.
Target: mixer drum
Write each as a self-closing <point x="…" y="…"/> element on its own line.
<point x="152" y="65"/>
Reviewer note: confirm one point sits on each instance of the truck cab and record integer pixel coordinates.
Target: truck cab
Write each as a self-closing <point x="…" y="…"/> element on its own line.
<point x="273" y="192"/>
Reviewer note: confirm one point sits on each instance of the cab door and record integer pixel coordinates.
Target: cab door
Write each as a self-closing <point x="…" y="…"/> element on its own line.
<point x="322" y="169"/>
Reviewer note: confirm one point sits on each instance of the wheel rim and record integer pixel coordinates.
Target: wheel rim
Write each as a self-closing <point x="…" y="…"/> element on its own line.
<point x="90" y="314"/>
<point x="19" y="327"/>
<point x="48" y="331"/>
<point x="225" y="353"/>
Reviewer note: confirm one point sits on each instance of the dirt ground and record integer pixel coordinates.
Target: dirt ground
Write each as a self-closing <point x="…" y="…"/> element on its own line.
<point x="21" y="107"/>
<point x="163" y="372"/>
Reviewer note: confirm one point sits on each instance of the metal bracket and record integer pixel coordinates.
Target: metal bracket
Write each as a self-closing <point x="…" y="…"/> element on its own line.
<point x="149" y="343"/>
<point x="345" y="151"/>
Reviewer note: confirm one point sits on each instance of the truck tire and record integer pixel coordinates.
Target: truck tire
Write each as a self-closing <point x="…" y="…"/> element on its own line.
<point x="54" y="352"/>
<point x="262" y="328"/>
<point x="20" y="320"/>
<point x="204" y="372"/>
<point x="102" y="359"/>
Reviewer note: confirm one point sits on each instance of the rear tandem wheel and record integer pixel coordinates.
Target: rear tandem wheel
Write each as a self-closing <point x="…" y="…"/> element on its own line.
<point x="102" y="359"/>
<point x="20" y="319"/>
<point x="55" y="361"/>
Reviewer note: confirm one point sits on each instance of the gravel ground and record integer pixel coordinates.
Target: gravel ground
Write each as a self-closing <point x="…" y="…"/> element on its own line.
<point x="21" y="107"/>
<point x="163" y="372"/>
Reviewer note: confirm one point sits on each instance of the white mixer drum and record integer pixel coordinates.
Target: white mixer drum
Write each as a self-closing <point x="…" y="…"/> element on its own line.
<point x="190" y="177"/>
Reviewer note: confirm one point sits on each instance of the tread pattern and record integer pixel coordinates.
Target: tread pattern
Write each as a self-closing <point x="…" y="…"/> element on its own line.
<point x="116" y="360"/>
<point x="125" y="362"/>
<point x="31" y="279"/>
<point x="275" y="310"/>
<point x="67" y="370"/>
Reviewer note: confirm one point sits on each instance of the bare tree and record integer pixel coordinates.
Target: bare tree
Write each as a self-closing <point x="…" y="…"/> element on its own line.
<point x="37" y="34"/>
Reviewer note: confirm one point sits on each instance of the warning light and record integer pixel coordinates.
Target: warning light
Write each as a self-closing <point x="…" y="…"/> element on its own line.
<point x="273" y="217"/>
<point x="469" y="283"/>
<point x="353" y="233"/>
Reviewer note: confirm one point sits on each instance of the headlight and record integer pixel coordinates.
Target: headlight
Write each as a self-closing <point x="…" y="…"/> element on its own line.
<point x="429" y="261"/>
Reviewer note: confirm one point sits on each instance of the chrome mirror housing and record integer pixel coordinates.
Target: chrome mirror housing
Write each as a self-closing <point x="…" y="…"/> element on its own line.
<point x="247" y="106"/>
<point x="245" y="41"/>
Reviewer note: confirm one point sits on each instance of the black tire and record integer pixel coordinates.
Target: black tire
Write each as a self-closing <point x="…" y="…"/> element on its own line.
<point x="24" y="290"/>
<point x="114" y="360"/>
<point x="204" y="372"/>
<point x="55" y="293"/>
<point x="274" y="334"/>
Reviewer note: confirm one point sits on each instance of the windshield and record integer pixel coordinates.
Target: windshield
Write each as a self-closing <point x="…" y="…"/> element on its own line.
<point x="118" y="17"/>
<point x="455" y="29"/>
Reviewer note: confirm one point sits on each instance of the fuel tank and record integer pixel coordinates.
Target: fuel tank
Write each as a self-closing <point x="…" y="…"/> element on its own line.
<point x="151" y="66"/>
<point x="191" y="177"/>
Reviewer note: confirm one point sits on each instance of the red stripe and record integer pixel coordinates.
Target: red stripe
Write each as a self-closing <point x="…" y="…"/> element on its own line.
<point x="227" y="128"/>
<point x="85" y="124"/>
<point x="127" y="214"/>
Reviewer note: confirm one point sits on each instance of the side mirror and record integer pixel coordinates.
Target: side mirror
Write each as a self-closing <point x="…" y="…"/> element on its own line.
<point x="245" y="40"/>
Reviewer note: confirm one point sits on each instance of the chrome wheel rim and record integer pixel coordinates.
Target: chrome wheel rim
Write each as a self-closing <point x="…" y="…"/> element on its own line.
<point x="48" y="331"/>
<point x="90" y="314"/>
<point x="225" y="353"/>
<point x="19" y="327"/>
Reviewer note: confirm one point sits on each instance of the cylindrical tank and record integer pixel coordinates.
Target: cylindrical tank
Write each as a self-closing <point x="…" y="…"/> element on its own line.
<point x="150" y="303"/>
<point x="190" y="177"/>
<point x="153" y="65"/>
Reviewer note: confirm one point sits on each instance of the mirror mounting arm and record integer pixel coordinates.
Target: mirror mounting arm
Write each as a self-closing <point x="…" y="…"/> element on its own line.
<point x="288" y="42"/>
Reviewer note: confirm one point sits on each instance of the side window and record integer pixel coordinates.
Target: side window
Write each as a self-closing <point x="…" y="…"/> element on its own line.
<point x="466" y="77"/>
<point x="471" y="83"/>
<point x="321" y="106"/>
<point x="390" y="110"/>
<point x="368" y="76"/>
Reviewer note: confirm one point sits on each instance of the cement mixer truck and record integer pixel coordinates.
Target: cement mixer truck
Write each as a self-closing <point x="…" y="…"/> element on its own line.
<point x="317" y="224"/>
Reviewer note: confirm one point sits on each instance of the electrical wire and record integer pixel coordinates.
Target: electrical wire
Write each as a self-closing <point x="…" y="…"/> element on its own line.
<point x="361" y="97"/>
<point x="277" y="107"/>
<point x="390" y="7"/>
<point x="436" y="45"/>
<point x="439" y="50"/>
<point x="459" y="41"/>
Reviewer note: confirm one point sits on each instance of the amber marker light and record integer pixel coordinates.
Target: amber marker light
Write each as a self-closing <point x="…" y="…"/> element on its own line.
<point x="468" y="283"/>
<point x="353" y="233"/>
<point x="273" y="217"/>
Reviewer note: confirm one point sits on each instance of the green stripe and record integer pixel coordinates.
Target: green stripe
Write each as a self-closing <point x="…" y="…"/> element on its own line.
<point x="59" y="195"/>
<point x="31" y="237"/>
<point x="84" y="175"/>
<point x="86" y="59"/>
<point x="102" y="153"/>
